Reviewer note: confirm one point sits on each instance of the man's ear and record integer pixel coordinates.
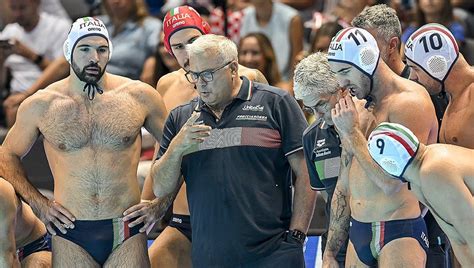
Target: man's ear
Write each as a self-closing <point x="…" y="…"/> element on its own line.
<point x="234" y="67"/>
<point x="394" y="45"/>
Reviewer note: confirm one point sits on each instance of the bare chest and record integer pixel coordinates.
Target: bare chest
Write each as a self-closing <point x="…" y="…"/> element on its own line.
<point x="359" y="184"/>
<point x="179" y="93"/>
<point x="458" y="124"/>
<point x="109" y="123"/>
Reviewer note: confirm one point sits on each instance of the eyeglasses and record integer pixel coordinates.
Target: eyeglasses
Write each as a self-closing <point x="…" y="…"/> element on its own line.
<point x="318" y="107"/>
<point x="309" y="109"/>
<point x="206" y="76"/>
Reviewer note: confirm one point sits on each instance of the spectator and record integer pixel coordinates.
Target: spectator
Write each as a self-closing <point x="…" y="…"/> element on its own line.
<point x="256" y="51"/>
<point x="233" y="19"/>
<point x="282" y="25"/>
<point x="31" y="42"/>
<point x="439" y="11"/>
<point x="322" y="37"/>
<point x="55" y="8"/>
<point x="134" y="34"/>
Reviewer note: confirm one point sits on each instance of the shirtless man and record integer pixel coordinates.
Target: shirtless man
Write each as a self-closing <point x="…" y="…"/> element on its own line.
<point x="91" y="124"/>
<point x="432" y="171"/>
<point x="23" y="238"/>
<point x="383" y="23"/>
<point x="172" y="248"/>
<point x="433" y="55"/>
<point x="381" y="210"/>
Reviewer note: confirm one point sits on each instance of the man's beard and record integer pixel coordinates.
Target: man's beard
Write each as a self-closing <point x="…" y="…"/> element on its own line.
<point x="87" y="77"/>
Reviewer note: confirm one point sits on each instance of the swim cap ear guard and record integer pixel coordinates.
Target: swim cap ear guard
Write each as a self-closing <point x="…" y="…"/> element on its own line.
<point x="180" y="18"/>
<point x="82" y="28"/>
<point x="434" y="49"/>
<point x="393" y="147"/>
<point x="357" y="47"/>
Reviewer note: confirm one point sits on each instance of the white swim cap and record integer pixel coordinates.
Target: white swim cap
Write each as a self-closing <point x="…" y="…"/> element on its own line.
<point x="393" y="147"/>
<point x="357" y="47"/>
<point x="81" y="28"/>
<point x="434" y="49"/>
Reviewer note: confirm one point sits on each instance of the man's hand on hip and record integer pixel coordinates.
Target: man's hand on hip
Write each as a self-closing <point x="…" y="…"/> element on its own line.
<point x="54" y="214"/>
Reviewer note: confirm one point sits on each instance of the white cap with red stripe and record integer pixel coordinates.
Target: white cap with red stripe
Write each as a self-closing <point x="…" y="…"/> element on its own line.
<point x="393" y="147"/>
<point x="357" y="47"/>
<point x="434" y="49"/>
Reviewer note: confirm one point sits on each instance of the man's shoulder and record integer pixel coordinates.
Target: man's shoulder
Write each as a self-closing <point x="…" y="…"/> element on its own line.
<point x="169" y="80"/>
<point x="130" y="86"/>
<point x="40" y="101"/>
<point x="252" y="74"/>
<point x="270" y="91"/>
<point x="411" y="95"/>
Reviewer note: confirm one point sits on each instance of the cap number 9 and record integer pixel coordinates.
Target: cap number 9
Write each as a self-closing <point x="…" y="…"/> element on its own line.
<point x="380" y="144"/>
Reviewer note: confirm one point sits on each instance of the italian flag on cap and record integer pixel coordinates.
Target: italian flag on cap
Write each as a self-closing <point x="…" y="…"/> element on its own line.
<point x="399" y="133"/>
<point x="174" y="11"/>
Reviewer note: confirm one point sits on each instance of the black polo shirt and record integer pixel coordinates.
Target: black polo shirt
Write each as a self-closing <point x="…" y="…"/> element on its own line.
<point x="239" y="180"/>
<point x="322" y="151"/>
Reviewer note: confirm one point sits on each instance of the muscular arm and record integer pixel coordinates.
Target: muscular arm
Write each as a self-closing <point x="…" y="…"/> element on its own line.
<point x="408" y="114"/>
<point x="166" y="172"/>
<point x="340" y="210"/>
<point x="157" y="113"/>
<point x="8" y="256"/>
<point x="305" y="198"/>
<point x="17" y="143"/>
<point x="358" y="147"/>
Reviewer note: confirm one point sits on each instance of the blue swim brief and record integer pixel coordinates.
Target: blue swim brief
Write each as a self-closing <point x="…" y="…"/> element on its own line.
<point x="369" y="238"/>
<point x="100" y="238"/>
<point x="41" y="244"/>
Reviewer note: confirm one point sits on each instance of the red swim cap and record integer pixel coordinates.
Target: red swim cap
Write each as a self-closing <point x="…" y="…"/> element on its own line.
<point x="182" y="17"/>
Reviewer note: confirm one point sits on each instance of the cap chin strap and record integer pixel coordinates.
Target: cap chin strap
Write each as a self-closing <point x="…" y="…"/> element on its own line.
<point x="91" y="89"/>
<point x="369" y="97"/>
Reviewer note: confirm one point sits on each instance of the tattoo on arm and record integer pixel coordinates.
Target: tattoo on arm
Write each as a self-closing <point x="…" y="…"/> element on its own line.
<point x="339" y="223"/>
<point x="346" y="160"/>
